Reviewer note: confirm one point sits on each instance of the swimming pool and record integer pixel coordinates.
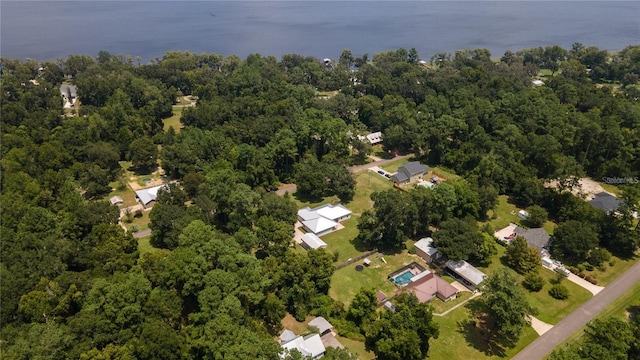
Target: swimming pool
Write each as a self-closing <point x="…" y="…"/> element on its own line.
<point x="403" y="279"/>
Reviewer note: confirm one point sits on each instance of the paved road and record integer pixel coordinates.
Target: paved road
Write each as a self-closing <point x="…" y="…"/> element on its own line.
<point x="572" y="323"/>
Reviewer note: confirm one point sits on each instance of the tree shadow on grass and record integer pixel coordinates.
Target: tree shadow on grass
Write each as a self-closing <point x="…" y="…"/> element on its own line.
<point x="479" y="331"/>
<point x="306" y="198"/>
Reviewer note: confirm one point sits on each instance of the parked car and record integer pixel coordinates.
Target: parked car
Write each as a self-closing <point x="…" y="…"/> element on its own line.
<point x="387" y="175"/>
<point x="380" y="172"/>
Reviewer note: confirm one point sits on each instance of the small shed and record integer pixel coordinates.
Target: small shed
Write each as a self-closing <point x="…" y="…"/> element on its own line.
<point x="381" y="297"/>
<point x="523" y="214"/>
<point x="116" y="200"/>
<point x="366" y="261"/>
<point x="312" y="241"/>
<point x="425" y="249"/>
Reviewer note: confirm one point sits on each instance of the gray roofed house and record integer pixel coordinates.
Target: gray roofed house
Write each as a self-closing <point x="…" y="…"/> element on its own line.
<point x="465" y="273"/>
<point x="322" y="324"/>
<point x="409" y="172"/>
<point x="148" y="196"/>
<point x="605" y="201"/>
<point x="536" y="237"/>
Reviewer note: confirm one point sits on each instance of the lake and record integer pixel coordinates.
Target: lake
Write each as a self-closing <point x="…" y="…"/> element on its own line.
<point x="45" y="30"/>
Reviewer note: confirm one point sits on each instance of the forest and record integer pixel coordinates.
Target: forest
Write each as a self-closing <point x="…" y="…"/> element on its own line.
<point x="75" y="285"/>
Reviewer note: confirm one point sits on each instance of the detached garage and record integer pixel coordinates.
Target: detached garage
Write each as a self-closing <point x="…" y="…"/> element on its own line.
<point x="311" y="241"/>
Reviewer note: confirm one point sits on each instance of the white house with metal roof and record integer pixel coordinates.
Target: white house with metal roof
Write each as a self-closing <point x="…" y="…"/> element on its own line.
<point x="310" y="346"/>
<point x="323" y="219"/>
<point x="147" y="197"/>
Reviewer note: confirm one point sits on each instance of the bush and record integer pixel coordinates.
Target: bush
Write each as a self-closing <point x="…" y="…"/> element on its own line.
<point x="533" y="282"/>
<point x="559" y="291"/>
<point x="598" y="256"/>
<point x="412" y="250"/>
<point x="137" y="214"/>
<point x="336" y="255"/>
<point x="134" y="228"/>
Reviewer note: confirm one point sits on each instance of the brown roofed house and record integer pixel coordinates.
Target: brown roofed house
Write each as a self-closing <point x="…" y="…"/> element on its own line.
<point x="431" y="285"/>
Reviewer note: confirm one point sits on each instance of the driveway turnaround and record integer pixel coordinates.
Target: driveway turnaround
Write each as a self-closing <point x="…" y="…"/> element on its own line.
<point x="574" y="321"/>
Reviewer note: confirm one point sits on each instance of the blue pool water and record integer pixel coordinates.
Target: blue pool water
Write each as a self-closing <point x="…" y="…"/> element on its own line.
<point x="403" y="279"/>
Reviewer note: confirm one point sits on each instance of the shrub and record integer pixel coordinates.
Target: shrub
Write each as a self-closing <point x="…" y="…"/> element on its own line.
<point x="134" y="228"/>
<point x="137" y="214"/>
<point x="559" y="291"/>
<point x="574" y="270"/>
<point x="598" y="256"/>
<point x="612" y="262"/>
<point x="336" y="255"/>
<point x="533" y="282"/>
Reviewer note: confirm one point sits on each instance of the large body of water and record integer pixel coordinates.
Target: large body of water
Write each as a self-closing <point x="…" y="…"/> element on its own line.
<point x="45" y="30"/>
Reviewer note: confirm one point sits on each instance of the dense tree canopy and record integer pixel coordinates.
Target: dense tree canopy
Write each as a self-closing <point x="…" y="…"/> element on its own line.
<point x="221" y="273"/>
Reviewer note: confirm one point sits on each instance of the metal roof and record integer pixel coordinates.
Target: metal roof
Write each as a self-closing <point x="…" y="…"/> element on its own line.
<point x="313" y="241"/>
<point x="467" y="271"/>
<point x="426" y="245"/>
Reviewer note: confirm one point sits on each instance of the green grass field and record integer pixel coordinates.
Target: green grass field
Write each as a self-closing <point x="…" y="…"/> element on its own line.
<point x="457" y="342"/>
<point x="551" y="310"/>
<point x="144" y="246"/>
<point x="174" y="120"/>
<point x="346" y="282"/>
<point x="611" y="272"/>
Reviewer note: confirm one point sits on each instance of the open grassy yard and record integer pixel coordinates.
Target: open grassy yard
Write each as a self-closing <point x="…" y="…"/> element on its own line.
<point x="127" y="195"/>
<point x="611" y="272"/>
<point x="440" y="306"/>
<point x="551" y="310"/>
<point x="174" y="120"/>
<point x="346" y="282"/>
<point x="142" y="222"/>
<point x="392" y="166"/>
<point x="357" y="348"/>
<point x="367" y="183"/>
<point x="506" y="213"/>
<point x="341" y="241"/>
<point x="144" y="246"/>
<point x="456" y="341"/>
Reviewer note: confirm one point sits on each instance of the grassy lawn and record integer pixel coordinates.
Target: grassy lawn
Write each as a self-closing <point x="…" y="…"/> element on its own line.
<point x="551" y="310"/>
<point x="506" y="213"/>
<point x="456" y="342"/>
<point x="440" y="306"/>
<point x="142" y="222"/>
<point x="611" y="272"/>
<point x="495" y="261"/>
<point x="174" y="120"/>
<point x="346" y="282"/>
<point x="127" y="195"/>
<point x="144" y="246"/>
<point x="357" y="348"/>
<point x="341" y="241"/>
<point x="367" y="183"/>
<point x="393" y="166"/>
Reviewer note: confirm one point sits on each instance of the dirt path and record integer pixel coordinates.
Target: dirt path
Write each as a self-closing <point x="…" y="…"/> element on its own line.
<point x="586" y="190"/>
